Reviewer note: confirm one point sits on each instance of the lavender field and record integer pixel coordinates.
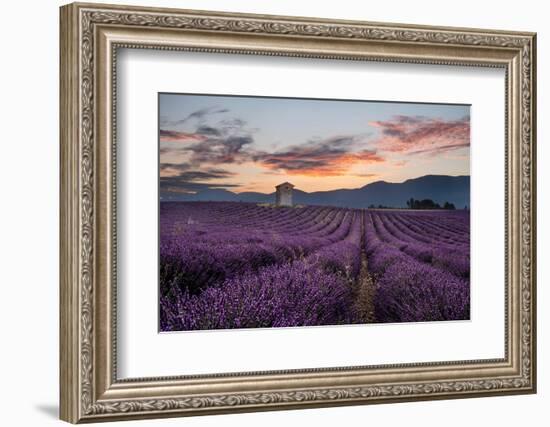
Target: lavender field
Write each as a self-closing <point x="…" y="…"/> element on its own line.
<point x="240" y="265"/>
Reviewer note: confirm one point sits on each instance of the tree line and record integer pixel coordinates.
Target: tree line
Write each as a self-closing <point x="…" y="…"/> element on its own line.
<point x="428" y="204"/>
<point x="420" y="204"/>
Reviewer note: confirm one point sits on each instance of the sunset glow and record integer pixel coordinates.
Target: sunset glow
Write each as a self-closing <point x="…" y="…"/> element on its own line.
<point x="254" y="143"/>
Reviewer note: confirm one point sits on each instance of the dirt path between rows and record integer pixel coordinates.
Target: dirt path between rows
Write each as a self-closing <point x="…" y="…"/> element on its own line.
<point x="365" y="285"/>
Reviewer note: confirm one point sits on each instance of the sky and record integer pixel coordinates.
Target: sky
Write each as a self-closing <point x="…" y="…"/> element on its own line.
<point x="255" y="143"/>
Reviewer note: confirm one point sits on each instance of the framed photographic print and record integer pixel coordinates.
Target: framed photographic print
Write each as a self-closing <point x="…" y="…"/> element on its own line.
<point x="266" y="212"/>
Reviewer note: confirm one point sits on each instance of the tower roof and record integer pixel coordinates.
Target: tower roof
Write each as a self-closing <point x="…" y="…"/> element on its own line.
<point x="284" y="183"/>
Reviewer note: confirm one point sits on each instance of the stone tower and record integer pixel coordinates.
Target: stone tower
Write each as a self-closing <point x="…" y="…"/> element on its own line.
<point x="284" y="194"/>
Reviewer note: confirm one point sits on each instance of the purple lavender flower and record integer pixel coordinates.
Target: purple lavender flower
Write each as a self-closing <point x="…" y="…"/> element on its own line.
<point x="241" y="265"/>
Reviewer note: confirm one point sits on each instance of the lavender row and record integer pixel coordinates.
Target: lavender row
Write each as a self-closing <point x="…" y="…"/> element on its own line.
<point x="175" y="223"/>
<point x="200" y="257"/>
<point x="342" y="257"/>
<point x="431" y="228"/>
<point x="407" y="226"/>
<point x="293" y="294"/>
<point x="234" y="265"/>
<point x="455" y="260"/>
<point x="410" y="290"/>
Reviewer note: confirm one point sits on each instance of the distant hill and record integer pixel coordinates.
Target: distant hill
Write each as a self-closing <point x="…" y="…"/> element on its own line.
<point x="439" y="188"/>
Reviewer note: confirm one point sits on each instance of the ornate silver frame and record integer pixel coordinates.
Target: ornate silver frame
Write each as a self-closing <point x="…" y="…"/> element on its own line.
<point x="90" y="36"/>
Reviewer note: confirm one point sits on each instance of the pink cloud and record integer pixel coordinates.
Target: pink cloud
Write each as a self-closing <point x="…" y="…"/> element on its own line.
<point x="175" y="136"/>
<point x="330" y="157"/>
<point x="400" y="163"/>
<point x="422" y="135"/>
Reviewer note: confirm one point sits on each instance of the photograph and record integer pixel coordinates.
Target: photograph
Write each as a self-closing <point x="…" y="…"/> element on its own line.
<point x="294" y="212"/>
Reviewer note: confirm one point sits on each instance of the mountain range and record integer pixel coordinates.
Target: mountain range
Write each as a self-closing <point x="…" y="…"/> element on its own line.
<point x="439" y="188"/>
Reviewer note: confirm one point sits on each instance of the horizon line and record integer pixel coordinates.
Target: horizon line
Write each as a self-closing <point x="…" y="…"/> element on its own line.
<point x="336" y="189"/>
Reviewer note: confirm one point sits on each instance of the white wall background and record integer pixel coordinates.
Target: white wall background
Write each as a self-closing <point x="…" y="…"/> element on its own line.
<point x="29" y="170"/>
